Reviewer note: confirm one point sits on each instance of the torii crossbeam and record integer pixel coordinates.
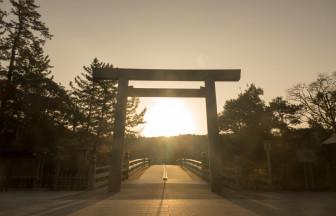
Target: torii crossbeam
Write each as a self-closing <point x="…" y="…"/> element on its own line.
<point x="123" y="75"/>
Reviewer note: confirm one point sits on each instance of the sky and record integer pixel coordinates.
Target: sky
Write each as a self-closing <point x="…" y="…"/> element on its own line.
<point x="276" y="44"/>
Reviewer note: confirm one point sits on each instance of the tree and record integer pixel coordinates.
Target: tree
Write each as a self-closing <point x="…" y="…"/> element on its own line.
<point x="3" y="14"/>
<point x="133" y="118"/>
<point x="33" y="101"/>
<point x="2" y="21"/>
<point x="96" y="101"/>
<point x="25" y="30"/>
<point x="318" y="100"/>
<point x="247" y="111"/>
<point x="284" y="114"/>
<point x="248" y="121"/>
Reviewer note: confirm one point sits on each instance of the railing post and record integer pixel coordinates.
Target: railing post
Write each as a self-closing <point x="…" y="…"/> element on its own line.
<point x="92" y="172"/>
<point x="205" y="165"/>
<point x="125" y="169"/>
<point x="57" y="170"/>
<point x="145" y="162"/>
<point x="238" y="165"/>
<point x="37" y="179"/>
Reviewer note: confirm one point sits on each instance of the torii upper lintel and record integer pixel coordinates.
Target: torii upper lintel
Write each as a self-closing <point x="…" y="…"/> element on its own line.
<point x="167" y="74"/>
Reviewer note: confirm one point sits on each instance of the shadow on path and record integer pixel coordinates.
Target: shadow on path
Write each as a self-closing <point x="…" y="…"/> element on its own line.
<point x="283" y="203"/>
<point x="72" y="203"/>
<point x="158" y="212"/>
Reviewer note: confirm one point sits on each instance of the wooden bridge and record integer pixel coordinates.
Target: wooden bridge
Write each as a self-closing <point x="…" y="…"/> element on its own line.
<point x="183" y="193"/>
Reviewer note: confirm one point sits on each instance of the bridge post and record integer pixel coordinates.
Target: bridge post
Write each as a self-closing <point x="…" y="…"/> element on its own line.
<point x="212" y="123"/>
<point x="92" y="171"/>
<point x="205" y="166"/>
<point x="125" y="166"/>
<point x="118" y="137"/>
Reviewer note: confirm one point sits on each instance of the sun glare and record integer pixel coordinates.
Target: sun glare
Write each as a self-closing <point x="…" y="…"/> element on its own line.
<point x="168" y="117"/>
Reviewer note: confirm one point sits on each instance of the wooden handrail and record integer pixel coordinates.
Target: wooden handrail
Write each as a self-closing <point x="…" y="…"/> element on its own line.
<point x="102" y="173"/>
<point x="200" y="168"/>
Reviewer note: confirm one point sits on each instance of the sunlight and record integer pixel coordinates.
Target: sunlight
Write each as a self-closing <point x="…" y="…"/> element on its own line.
<point x="169" y="117"/>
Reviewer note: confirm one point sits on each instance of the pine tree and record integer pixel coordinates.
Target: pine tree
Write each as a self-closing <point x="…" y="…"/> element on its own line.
<point x="33" y="102"/>
<point x="133" y="119"/>
<point x="23" y="32"/>
<point x="3" y="15"/>
<point x="94" y="100"/>
<point x="97" y="100"/>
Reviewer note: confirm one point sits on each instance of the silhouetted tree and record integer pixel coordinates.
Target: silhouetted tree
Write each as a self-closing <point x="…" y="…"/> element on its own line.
<point x="2" y="33"/>
<point x="249" y="120"/>
<point x="318" y="100"/>
<point x="24" y="31"/>
<point x="247" y="111"/>
<point x="133" y="118"/>
<point x="96" y="100"/>
<point x="285" y="114"/>
<point x="33" y="102"/>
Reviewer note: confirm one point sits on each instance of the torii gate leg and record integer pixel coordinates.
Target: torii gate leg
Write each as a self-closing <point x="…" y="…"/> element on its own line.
<point x="118" y="137"/>
<point x="212" y="123"/>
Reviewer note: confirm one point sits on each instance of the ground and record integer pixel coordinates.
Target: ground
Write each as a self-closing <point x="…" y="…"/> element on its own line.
<point x="182" y="194"/>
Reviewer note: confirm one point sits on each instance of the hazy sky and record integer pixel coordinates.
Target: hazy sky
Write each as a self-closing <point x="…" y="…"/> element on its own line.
<point x="276" y="43"/>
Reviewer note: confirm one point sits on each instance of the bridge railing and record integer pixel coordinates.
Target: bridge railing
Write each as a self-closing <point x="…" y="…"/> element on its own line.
<point x="101" y="174"/>
<point x="200" y="168"/>
<point x="231" y="177"/>
<point x="134" y="165"/>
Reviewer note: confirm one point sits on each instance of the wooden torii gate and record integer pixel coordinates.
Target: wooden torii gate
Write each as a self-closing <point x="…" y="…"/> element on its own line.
<point x="123" y="75"/>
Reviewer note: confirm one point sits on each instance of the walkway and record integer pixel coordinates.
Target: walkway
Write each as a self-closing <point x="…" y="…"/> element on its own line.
<point x="182" y="194"/>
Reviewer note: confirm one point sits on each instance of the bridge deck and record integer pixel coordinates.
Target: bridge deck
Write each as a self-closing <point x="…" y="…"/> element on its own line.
<point x="175" y="175"/>
<point x="182" y="194"/>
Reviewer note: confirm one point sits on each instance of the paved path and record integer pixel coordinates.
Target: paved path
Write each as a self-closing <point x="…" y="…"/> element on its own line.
<point x="183" y="194"/>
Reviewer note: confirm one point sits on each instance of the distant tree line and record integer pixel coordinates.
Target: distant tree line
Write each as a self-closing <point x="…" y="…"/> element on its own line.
<point x="39" y="114"/>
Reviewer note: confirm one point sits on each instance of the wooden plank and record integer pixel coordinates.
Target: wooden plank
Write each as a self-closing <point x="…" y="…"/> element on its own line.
<point x="194" y="161"/>
<point x="98" y="169"/>
<point x="162" y="92"/>
<point x="101" y="184"/>
<point x="102" y="175"/>
<point x="135" y="161"/>
<point x="166" y="74"/>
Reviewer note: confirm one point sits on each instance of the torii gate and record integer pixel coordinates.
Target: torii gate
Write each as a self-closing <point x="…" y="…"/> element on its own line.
<point x="123" y="75"/>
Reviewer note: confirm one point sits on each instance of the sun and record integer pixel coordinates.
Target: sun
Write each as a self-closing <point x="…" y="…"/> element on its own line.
<point x="168" y="117"/>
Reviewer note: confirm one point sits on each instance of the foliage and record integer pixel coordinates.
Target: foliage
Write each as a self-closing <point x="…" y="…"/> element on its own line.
<point x="246" y="112"/>
<point x="285" y="114"/>
<point x="318" y="100"/>
<point x="3" y="15"/>
<point x="96" y="101"/>
<point x="23" y="33"/>
<point x="248" y="118"/>
<point x="36" y="113"/>
<point x="250" y="121"/>
<point x="31" y="99"/>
